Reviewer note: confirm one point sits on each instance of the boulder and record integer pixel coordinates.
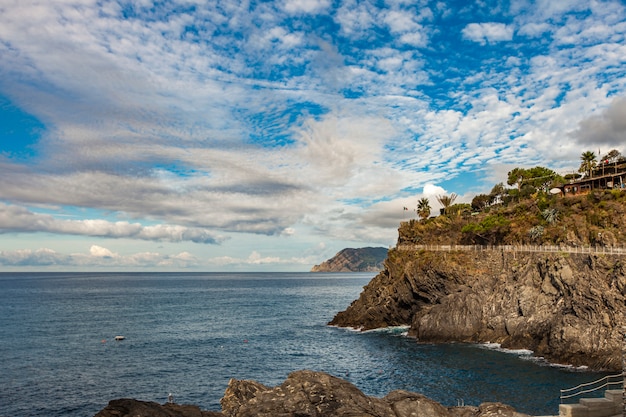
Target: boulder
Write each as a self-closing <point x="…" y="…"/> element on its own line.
<point x="318" y="394"/>
<point x="307" y="394"/>
<point x="127" y="407"/>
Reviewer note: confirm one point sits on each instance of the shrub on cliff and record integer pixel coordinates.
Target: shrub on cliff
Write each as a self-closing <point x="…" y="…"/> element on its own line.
<point x="598" y="218"/>
<point x="489" y="231"/>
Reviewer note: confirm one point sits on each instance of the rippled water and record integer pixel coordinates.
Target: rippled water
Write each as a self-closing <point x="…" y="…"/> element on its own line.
<point x="188" y="334"/>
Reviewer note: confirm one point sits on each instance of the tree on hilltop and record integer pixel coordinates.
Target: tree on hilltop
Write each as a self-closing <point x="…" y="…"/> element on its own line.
<point x="537" y="177"/>
<point x="498" y="193"/>
<point x="423" y="208"/>
<point x="481" y="202"/>
<point x="541" y="177"/>
<point x="613" y="156"/>
<point x="446" y="201"/>
<point x="461" y="209"/>
<point x="516" y="177"/>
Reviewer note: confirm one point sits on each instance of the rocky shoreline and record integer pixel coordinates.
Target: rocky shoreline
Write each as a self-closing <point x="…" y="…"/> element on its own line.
<point x="307" y="394"/>
<point x="567" y="308"/>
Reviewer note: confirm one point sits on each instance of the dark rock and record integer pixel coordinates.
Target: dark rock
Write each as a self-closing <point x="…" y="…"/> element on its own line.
<point x="127" y="407"/>
<point x="308" y="394"/>
<point x="568" y="308"/>
<point x="354" y="260"/>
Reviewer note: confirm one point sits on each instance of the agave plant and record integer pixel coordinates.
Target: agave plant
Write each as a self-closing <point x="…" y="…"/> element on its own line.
<point x="536" y="232"/>
<point x="551" y="215"/>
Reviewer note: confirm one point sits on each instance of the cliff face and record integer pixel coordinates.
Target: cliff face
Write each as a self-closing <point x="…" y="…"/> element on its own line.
<point x="568" y="308"/>
<point x="354" y="260"/>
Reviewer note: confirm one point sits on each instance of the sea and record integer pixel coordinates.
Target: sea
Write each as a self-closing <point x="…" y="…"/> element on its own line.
<point x="188" y="334"/>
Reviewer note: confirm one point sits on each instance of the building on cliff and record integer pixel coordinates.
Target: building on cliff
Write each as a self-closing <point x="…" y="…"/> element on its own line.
<point x="606" y="175"/>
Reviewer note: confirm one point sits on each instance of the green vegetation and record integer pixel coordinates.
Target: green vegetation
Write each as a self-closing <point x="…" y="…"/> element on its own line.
<point x="588" y="163"/>
<point x="446" y="201"/>
<point x="423" y="208"/>
<point x="529" y="181"/>
<point x="489" y="230"/>
<point x="527" y="213"/>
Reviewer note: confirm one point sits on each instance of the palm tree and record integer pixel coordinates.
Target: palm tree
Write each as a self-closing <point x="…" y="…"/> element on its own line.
<point x="446" y="201"/>
<point x="588" y="163"/>
<point x="423" y="208"/>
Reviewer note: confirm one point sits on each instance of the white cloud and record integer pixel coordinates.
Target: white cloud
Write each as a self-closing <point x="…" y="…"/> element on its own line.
<point x="15" y="219"/>
<point x="490" y="32"/>
<point x="406" y="25"/>
<point x="256" y="259"/>
<point x="306" y="6"/>
<point x="417" y="39"/>
<point x="534" y="30"/>
<point x="35" y="258"/>
<point x="97" y="257"/>
<point x="343" y="154"/>
<point x="101" y="252"/>
<point x="356" y="18"/>
<point x="290" y="231"/>
<point x="432" y="190"/>
<point x="401" y="21"/>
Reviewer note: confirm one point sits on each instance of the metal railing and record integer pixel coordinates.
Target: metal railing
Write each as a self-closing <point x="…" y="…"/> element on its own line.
<point x="605" y="250"/>
<point x="601" y="383"/>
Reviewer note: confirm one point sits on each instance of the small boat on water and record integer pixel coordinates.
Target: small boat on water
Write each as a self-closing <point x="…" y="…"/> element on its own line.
<point x="120" y="338"/>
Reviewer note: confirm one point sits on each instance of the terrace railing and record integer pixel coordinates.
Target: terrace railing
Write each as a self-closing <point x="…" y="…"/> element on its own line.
<point x="606" y="250"/>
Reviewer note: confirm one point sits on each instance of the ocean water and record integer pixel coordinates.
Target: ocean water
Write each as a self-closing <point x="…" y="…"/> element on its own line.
<point x="188" y="334"/>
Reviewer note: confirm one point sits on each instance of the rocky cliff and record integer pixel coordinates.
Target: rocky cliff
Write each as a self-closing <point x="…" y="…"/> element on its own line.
<point x="307" y="394"/>
<point x="568" y="308"/>
<point x="354" y="260"/>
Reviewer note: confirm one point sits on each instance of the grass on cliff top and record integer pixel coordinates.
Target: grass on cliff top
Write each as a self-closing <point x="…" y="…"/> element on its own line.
<point x="595" y="219"/>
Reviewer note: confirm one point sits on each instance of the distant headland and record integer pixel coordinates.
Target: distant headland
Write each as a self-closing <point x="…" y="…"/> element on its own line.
<point x="354" y="260"/>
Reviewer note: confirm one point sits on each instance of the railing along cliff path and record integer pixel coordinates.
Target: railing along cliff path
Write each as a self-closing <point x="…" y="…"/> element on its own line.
<point x="602" y="383"/>
<point x="596" y="250"/>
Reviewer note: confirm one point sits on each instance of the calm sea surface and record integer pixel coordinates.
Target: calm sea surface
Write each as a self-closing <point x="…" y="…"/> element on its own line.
<point x="188" y="334"/>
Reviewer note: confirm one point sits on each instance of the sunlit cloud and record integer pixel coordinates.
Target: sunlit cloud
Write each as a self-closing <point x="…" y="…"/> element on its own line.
<point x="484" y="33"/>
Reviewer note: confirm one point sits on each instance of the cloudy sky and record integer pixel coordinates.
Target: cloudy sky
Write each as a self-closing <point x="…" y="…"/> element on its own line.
<point x="228" y="135"/>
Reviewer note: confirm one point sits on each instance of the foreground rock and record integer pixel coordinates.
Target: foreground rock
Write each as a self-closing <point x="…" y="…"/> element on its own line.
<point x="354" y="260"/>
<point x="127" y="407"/>
<point x="308" y="394"/>
<point x="568" y="308"/>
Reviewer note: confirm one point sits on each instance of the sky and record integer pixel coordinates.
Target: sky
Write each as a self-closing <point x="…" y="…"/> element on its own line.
<point x="192" y="135"/>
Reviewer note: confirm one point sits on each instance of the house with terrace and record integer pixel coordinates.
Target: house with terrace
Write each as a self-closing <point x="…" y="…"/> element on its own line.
<point x="609" y="173"/>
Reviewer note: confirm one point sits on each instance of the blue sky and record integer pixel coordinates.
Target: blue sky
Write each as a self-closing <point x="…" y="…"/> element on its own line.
<point x="223" y="135"/>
